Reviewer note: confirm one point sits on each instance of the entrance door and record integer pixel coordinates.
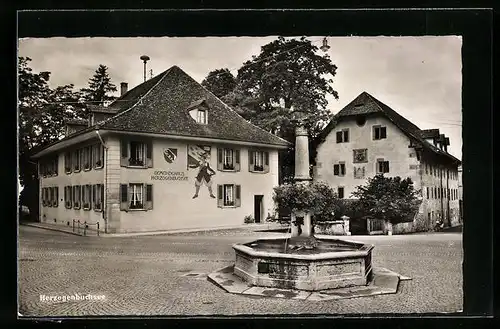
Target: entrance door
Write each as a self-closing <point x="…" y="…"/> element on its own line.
<point x="258" y="207"/>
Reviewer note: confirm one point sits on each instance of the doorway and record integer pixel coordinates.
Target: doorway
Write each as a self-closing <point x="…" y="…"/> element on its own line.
<point x="258" y="207"/>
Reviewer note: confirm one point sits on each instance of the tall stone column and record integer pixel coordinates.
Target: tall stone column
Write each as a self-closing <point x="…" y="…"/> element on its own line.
<point x="301" y="155"/>
<point x="302" y="228"/>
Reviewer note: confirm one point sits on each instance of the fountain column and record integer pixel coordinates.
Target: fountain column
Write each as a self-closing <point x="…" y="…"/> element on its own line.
<point x="301" y="177"/>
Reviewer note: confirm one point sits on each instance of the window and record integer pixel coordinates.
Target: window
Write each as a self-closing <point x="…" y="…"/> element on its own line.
<point x="228" y="159"/>
<point x="258" y="161"/>
<point x="97" y="156"/>
<point x="68" y="197"/>
<point x="87" y="158"/>
<point x="379" y="132"/>
<point x="76" y="161"/>
<point x="201" y="116"/>
<point x="426" y="171"/>
<point x="340" y="192"/>
<point x="67" y="162"/>
<point x="382" y="166"/>
<point x="339" y="169"/>
<point x="136" y="154"/>
<point x="228" y="195"/>
<point x="343" y="136"/>
<point x="98" y="196"/>
<point x="87" y="190"/>
<point x="136" y="196"/>
<point x="427" y="192"/>
<point x="77" y="192"/>
<point x="429" y="217"/>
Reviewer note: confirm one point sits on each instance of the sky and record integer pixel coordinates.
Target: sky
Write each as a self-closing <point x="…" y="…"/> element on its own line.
<point x="419" y="77"/>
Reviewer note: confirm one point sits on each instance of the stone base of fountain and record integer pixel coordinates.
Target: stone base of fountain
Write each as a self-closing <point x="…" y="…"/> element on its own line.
<point x="333" y="263"/>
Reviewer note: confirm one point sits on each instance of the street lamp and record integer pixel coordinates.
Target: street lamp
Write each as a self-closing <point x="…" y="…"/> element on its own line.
<point x="145" y="58"/>
<point x="325" y="45"/>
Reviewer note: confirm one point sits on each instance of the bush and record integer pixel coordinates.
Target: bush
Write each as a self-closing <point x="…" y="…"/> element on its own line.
<point x="388" y="198"/>
<point x="249" y="219"/>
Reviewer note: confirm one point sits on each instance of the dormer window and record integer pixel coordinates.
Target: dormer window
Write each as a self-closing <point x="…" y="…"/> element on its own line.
<point x="201" y="116"/>
<point x="198" y="110"/>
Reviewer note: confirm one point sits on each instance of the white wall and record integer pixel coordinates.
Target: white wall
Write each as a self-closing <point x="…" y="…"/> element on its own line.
<point x="173" y="205"/>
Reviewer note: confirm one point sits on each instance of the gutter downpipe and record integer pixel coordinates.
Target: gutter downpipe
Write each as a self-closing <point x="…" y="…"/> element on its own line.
<point x="37" y="164"/>
<point x="105" y="203"/>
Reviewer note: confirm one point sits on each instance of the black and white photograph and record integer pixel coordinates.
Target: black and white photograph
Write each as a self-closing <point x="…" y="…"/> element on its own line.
<point x="240" y="175"/>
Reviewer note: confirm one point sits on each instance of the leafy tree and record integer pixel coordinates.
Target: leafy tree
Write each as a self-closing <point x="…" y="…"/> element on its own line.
<point x="317" y="198"/>
<point x="389" y="198"/>
<point x="42" y="113"/>
<point x="220" y="82"/>
<point x="286" y="78"/>
<point x="100" y="86"/>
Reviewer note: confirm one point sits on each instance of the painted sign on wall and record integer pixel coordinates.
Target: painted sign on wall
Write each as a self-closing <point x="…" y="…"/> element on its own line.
<point x="170" y="154"/>
<point x="169" y="175"/>
<point x="199" y="158"/>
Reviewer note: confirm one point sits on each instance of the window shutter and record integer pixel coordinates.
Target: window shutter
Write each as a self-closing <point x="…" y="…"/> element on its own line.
<point x="220" y="161"/>
<point x="339" y="137"/>
<point x="149" y="153"/>
<point x="250" y="160"/>
<point x="124" y="197"/>
<point x="237" y="199"/>
<point x="346" y="135"/>
<point x="102" y="196"/>
<point x="149" y="197"/>
<point x="75" y="202"/>
<point x="219" y="196"/>
<point x="89" y="200"/>
<point x="56" y="203"/>
<point x="336" y="169"/>
<point x="386" y="166"/>
<point x="124" y="153"/>
<point x="237" y="165"/>
<point x="91" y="157"/>
<point x="94" y="188"/>
<point x="266" y="161"/>
<point x="383" y="132"/>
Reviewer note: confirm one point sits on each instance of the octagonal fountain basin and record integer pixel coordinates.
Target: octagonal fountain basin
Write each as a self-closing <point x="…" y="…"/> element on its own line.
<point x="333" y="263"/>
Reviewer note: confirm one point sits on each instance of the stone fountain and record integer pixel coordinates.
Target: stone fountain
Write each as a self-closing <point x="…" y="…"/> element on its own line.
<point x="301" y="263"/>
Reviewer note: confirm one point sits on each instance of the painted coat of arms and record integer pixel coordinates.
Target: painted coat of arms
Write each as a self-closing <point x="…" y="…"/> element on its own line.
<point x="170" y="154"/>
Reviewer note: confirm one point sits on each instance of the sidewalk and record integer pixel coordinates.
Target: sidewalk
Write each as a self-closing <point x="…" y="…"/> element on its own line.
<point x="93" y="232"/>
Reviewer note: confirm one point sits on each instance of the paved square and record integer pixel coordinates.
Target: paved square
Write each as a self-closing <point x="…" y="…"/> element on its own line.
<point x="166" y="275"/>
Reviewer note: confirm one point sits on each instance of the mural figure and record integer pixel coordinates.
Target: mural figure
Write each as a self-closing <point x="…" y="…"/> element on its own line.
<point x="204" y="176"/>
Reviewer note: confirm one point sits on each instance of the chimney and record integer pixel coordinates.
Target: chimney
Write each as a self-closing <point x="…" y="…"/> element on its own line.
<point x="123" y="87"/>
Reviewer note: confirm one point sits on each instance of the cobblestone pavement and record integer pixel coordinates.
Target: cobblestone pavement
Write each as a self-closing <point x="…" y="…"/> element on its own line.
<point x="147" y="275"/>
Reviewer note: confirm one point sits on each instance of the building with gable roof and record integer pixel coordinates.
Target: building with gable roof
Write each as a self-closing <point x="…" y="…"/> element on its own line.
<point x="167" y="154"/>
<point x="367" y="138"/>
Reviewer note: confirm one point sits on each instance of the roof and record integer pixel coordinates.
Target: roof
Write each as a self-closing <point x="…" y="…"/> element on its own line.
<point x="429" y="133"/>
<point x="367" y="104"/>
<point x="101" y="109"/>
<point x="77" y="122"/>
<point x="160" y="105"/>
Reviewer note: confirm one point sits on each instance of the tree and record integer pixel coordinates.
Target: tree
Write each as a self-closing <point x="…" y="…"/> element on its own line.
<point x="42" y="113"/>
<point x="220" y="82"/>
<point x="391" y="199"/>
<point x="317" y="199"/>
<point x="100" y="86"/>
<point x="286" y="78"/>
